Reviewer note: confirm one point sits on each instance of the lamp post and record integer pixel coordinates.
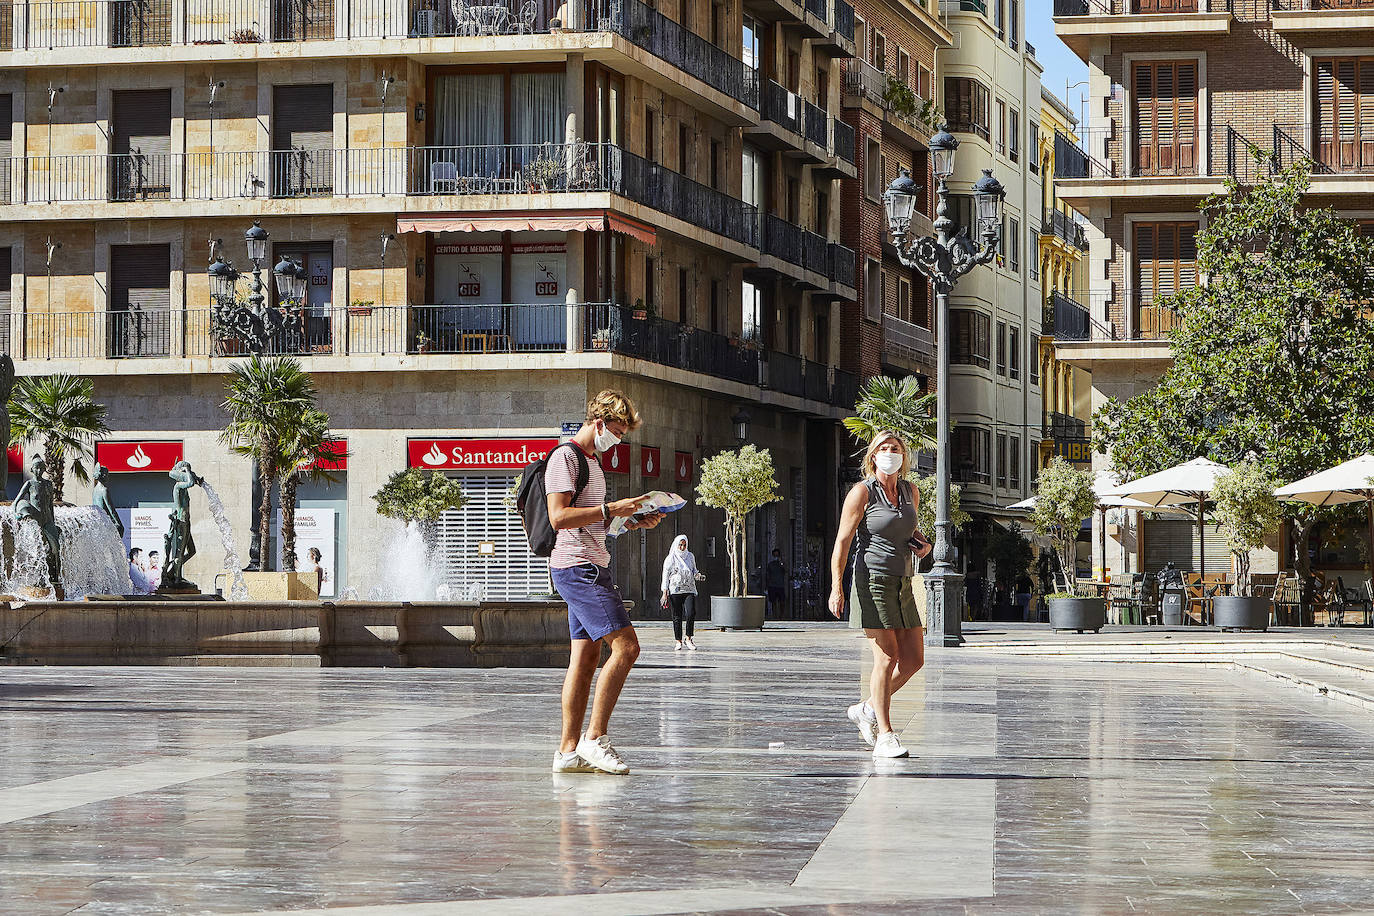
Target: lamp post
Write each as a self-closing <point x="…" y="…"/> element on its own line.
<point x="943" y="259"/>
<point x="257" y="325"/>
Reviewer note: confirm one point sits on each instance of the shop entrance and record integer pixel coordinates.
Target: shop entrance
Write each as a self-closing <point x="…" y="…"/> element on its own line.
<point x="482" y="544"/>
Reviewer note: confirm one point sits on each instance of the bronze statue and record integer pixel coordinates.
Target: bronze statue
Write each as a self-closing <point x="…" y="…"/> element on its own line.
<point x="177" y="542"/>
<point x="35" y="502"/>
<point x="6" y="387"/>
<point x="100" y="497"/>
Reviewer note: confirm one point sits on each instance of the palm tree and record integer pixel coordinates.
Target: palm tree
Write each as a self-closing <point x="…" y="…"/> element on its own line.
<point x="265" y="399"/>
<point x="306" y="455"/>
<point x="58" y="413"/>
<point x="898" y="405"/>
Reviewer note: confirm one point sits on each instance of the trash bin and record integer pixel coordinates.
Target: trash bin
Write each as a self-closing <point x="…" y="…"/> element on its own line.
<point x="1171" y="607"/>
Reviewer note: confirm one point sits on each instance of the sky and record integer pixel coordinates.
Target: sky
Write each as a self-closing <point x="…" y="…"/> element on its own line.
<point x="1059" y="62"/>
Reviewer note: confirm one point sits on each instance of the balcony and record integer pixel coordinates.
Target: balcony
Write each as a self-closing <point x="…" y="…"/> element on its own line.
<point x="804" y="378"/>
<point x="1066" y="319"/>
<point x="912" y="346"/>
<point x="1060" y="225"/>
<point x="803" y="130"/>
<point x="864" y="83"/>
<point x="1079" y="22"/>
<point x="51" y="25"/>
<point x="838" y="40"/>
<point x="1063" y="426"/>
<point x="1324" y="23"/>
<point x="818" y="262"/>
<point x="480" y="174"/>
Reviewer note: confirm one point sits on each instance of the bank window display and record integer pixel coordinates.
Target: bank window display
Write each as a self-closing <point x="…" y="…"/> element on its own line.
<point x="141" y="493"/>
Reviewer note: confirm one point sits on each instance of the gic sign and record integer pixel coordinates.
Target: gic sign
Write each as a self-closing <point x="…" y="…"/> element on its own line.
<point x="649" y="462"/>
<point x="617" y="460"/>
<point x="476" y="454"/>
<point x="133" y="457"/>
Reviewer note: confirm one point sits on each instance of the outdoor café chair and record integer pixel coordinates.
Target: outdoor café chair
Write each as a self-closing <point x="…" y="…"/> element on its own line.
<point x="1288" y="602"/>
<point x="443" y="177"/>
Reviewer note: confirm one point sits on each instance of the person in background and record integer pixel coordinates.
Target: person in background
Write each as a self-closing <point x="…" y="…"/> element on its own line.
<point x="137" y="575"/>
<point x="775" y="579"/>
<point x="680" y="579"/>
<point x="313" y="557"/>
<point x="154" y="570"/>
<point x="880" y="512"/>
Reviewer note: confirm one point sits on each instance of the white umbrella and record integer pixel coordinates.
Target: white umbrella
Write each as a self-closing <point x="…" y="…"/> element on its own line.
<point x="1182" y="484"/>
<point x="1345" y="483"/>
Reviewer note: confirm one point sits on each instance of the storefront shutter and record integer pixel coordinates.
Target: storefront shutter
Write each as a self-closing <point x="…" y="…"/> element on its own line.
<point x="511" y="571"/>
<point x="1176" y="541"/>
<point x="303" y="139"/>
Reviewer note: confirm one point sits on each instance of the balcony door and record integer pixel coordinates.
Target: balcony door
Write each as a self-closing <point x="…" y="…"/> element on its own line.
<point x="141" y="144"/>
<point x="1344" y="106"/>
<point x="303" y="140"/>
<point x="6" y="146"/>
<point x="502" y="131"/>
<point x="139" y="320"/>
<point x="1166" y="107"/>
<point x="1166" y="262"/>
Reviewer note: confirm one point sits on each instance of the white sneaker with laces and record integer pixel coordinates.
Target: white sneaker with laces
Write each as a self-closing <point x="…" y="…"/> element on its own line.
<point x="677" y="645"/>
<point x="602" y="756"/>
<point x="689" y="644"/>
<point x="888" y="746"/>
<point x="571" y="762"/>
<point x="868" y="725"/>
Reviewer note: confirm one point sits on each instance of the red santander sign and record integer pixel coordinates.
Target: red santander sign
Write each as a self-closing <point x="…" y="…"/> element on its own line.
<point x="476" y="454"/>
<point x="649" y="463"/>
<point x="338" y="447"/>
<point x="616" y="459"/>
<point x="133" y="457"/>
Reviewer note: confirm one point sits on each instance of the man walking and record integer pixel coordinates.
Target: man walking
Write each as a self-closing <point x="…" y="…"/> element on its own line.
<point x="775" y="578"/>
<point x="579" y="566"/>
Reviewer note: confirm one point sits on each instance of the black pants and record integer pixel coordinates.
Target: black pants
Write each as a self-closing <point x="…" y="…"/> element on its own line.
<point x="684" y="611"/>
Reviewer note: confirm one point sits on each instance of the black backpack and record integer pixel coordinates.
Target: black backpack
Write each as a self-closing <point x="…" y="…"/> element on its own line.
<point x="532" y="503"/>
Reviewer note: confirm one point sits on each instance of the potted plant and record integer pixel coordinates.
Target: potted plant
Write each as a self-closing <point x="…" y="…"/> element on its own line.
<point x="639" y="312"/>
<point x="1247" y="512"/>
<point x="423" y="343"/>
<point x="360" y="307"/>
<point x="545" y="172"/>
<point x="244" y="36"/>
<point x="1063" y="498"/>
<point x="738" y="482"/>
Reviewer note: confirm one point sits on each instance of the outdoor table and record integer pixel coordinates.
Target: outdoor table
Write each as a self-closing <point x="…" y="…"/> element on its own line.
<point x="491" y="19"/>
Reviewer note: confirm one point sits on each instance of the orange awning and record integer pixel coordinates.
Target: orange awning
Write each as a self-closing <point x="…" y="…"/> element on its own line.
<point x="565" y="221"/>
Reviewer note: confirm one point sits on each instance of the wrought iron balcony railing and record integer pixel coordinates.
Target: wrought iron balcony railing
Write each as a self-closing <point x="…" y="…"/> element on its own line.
<point x="908" y="339"/>
<point x="1072" y="8"/>
<point x="1060" y="225"/>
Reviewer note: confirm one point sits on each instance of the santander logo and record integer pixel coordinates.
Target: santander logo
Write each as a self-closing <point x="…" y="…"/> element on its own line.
<point x="649" y="464"/>
<point x="139" y="458"/>
<point x="434" y="457"/>
<point x="682" y="469"/>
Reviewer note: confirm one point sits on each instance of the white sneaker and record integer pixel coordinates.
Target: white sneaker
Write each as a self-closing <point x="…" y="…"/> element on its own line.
<point x="602" y="756"/>
<point x="690" y="645"/>
<point x="571" y="762"/>
<point x="868" y="725"/>
<point x="677" y="645"/>
<point x="887" y="745"/>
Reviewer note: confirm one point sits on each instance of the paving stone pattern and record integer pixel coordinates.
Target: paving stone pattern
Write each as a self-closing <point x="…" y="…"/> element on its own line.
<point x="1042" y="784"/>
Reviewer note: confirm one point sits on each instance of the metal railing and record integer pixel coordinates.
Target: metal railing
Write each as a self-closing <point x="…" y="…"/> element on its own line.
<point x="864" y="80"/>
<point x="1063" y="226"/>
<point x="132" y="23"/>
<point x="843" y="143"/>
<point x="817" y="8"/>
<point x="844" y="390"/>
<point x="667" y="343"/>
<point x="842" y="264"/>
<point x="782" y="107"/>
<point x="1068" y="319"/>
<point x="817" y="125"/>
<point x="786" y="373"/>
<point x="780" y="239"/>
<point x="910" y="340"/>
<point x="1070" y="8"/>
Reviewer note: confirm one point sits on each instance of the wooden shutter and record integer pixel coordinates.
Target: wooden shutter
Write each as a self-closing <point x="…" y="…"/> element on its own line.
<point x="6" y="145"/>
<point x="5" y="268"/>
<point x="1345" y="107"/>
<point x="303" y="139"/>
<point x="1325" y="90"/>
<point x="1166" y="259"/>
<point x="1185" y="101"/>
<point x="1166" y="118"/>
<point x="1145" y="108"/>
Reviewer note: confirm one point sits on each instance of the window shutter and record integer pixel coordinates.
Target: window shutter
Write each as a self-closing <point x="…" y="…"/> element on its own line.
<point x="303" y="139"/>
<point x="1326" y="93"/>
<point x="1145" y="128"/>
<point x="1187" y="256"/>
<point x="1366" y="112"/>
<point x="140" y="275"/>
<point x="1345" y="112"/>
<point x="6" y="144"/>
<point x="1145" y="261"/>
<point x="1166" y="101"/>
<point x="1186" y="124"/>
<point x="5" y="269"/>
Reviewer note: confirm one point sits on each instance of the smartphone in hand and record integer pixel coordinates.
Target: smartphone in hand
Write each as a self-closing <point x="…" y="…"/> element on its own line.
<point x="919" y="546"/>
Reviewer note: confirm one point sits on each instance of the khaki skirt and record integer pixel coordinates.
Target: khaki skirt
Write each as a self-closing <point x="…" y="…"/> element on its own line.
<point x="883" y="602"/>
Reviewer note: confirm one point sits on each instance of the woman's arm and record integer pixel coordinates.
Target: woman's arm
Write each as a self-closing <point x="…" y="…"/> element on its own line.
<point x="850" y="515"/>
<point x="667" y="567"/>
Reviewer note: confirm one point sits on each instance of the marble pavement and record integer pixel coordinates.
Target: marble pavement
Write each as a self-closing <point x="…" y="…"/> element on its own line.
<point x="1039" y="785"/>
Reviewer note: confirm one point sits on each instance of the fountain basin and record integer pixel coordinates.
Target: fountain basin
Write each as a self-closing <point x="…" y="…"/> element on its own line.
<point x="170" y="631"/>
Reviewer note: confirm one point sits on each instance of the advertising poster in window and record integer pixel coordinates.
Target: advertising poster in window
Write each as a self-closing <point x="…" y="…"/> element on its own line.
<point x="144" y="529"/>
<point x="314" y="529"/>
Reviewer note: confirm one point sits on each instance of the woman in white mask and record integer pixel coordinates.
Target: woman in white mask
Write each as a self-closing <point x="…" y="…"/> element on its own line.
<point x="879" y="515"/>
<point x="680" y="579"/>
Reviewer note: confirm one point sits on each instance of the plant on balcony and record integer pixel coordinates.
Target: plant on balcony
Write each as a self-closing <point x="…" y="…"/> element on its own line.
<point x="895" y="404"/>
<point x="423" y="342"/>
<point x="244" y="36"/>
<point x="738" y="482"/>
<point x="903" y="101"/>
<point x="1255" y="372"/>
<point x="1063" y="499"/>
<point x="361" y="307"/>
<point x="58" y="416"/>
<point x="545" y="173"/>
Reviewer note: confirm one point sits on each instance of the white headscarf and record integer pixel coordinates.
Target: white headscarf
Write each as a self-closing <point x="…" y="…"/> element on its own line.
<point x="681" y="558"/>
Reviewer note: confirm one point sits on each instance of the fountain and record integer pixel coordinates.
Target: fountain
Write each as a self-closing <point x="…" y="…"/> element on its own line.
<point x="238" y="589"/>
<point x="91" y="556"/>
<point x="412" y="573"/>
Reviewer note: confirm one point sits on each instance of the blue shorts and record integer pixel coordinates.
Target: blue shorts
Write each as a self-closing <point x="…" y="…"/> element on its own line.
<point x="594" y="606"/>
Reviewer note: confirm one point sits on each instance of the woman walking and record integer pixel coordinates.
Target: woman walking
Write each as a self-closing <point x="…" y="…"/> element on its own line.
<point x="680" y="579"/>
<point x="880" y="512"/>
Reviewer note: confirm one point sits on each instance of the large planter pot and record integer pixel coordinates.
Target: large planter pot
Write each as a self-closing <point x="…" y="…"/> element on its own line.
<point x="1078" y="613"/>
<point x="744" y="613"/>
<point x="1233" y="613"/>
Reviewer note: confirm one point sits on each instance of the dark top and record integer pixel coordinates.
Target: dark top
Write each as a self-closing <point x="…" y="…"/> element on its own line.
<point x="775" y="575"/>
<point x="885" y="530"/>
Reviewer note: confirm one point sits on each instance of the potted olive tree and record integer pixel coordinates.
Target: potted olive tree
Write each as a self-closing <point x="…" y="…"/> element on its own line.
<point x="1248" y="513"/>
<point x="1063" y="498"/>
<point x="738" y="482"/>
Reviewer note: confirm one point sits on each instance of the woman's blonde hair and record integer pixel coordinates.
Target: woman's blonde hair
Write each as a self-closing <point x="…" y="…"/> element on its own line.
<point x="613" y="407"/>
<point x="870" y="469"/>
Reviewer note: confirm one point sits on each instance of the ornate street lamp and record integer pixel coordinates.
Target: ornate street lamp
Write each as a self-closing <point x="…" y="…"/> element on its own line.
<point x="256" y="241"/>
<point x="741" y="421"/>
<point x="223" y="278"/>
<point x="291" y="277"/>
<point x="257" y="325"/>
<point x="943" y="259"/>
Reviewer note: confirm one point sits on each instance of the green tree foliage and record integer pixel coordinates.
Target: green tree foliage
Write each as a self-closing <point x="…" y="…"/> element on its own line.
<point x="307" y="449"/>
<point x="898" y="405"/>
<point x="266" y="400"/>
<point x="1010" y="553"/>
<point x="1247" y="512"/>
<point x="416" y="495"/>
<point x="925" y="511"/>
<point x="1063" y="499"/>
<point x="1274" y="360"/>
<point x="58" y="415"/>
<point x="738" y="482"/>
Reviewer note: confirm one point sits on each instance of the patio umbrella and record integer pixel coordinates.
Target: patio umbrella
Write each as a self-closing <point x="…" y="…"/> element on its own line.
<point x="1345" y="483"/>
<point x="1182" y="484"/>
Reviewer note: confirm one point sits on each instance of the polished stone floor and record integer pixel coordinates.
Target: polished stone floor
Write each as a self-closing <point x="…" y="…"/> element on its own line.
<point x="1040" y="785"/>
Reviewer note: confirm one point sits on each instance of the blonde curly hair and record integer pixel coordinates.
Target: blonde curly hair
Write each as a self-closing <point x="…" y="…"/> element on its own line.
<point x="612" y="406"/>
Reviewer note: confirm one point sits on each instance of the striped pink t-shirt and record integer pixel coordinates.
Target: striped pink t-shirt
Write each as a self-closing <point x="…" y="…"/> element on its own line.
<point x="576" y="546"/>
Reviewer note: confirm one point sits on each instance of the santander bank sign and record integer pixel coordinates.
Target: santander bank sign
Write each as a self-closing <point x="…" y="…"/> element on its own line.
<point x="476" y="454"/>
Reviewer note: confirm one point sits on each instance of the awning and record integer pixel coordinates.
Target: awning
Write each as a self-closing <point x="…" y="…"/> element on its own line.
<point x="545" y="220"/>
